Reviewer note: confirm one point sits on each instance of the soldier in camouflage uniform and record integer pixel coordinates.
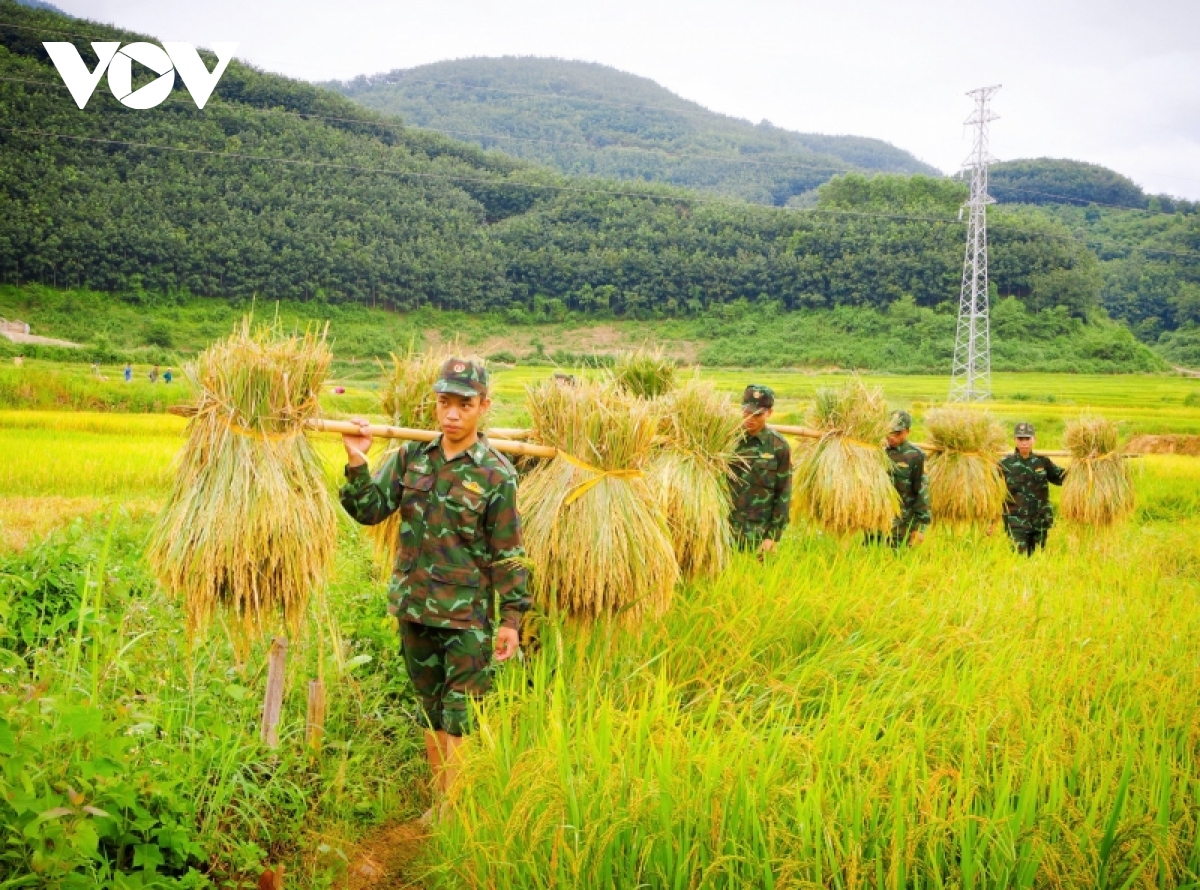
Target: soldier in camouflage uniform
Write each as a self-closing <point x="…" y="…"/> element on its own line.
<point x="911" y="483"/>
<point x="1028" y="515"/>
<point x="761" y="486"/>
<point x="459" y="533"/>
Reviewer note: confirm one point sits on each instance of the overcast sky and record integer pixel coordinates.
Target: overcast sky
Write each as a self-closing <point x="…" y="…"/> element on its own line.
<point x="1113" y="82"/>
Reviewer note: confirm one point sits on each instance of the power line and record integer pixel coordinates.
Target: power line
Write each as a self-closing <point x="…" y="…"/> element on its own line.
<point x="401" y="125"/>
<point x="1085" y="201"/>
<point x="689" y="198"/>
<point x="815" y="165"/>
<point x="644" y="106"/>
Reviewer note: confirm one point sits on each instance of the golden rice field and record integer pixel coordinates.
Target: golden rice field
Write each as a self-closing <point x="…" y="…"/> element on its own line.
<point x="841" y="716"/>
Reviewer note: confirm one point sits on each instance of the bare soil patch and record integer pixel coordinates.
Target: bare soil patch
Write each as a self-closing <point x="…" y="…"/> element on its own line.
<point x="1165" y="444"/>
<point x="387" y="858"/>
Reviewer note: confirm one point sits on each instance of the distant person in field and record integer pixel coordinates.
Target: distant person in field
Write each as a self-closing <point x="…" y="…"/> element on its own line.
<point x="1028" y="515"/>
<point x="128" y="373"/>
<point x="459" y="538"/>
<point x="761" y="486"/>
<point x="19" y="360"/>
<point x="911" y="483"/>
<point x="154" y="374"/>
<point x="167" y="376"/>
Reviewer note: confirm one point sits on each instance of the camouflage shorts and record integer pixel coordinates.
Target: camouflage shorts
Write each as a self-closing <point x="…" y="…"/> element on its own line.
<point x="448" y="667"/>
<point x="1025" y="537"/>
<point x="749" y="538"/>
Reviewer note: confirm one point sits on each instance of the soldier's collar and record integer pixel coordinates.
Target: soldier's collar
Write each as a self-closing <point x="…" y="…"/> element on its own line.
<point x="476" y="452"/>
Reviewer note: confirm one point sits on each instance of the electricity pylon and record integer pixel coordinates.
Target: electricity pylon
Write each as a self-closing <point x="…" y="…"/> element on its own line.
<point x="971" y="378"/>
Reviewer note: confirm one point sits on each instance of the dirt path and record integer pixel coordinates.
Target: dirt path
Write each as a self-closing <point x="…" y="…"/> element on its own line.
<point x="387" y="858"/>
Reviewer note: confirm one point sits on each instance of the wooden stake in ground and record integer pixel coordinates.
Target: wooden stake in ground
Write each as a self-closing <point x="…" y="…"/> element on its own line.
<point x="314" y="732"/>
<point x="273" y="700"/>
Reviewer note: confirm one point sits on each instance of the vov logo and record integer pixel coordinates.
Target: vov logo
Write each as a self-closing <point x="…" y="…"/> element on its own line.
<point x="164" y="61"/>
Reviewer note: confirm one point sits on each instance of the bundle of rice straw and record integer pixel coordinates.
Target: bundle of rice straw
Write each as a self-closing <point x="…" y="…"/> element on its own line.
<point x="844" y="482"/>
<point x="644" y="373"/>
<point x="966" y="484"/>
<point x="594" y="531"/>
<point x="249" y="524"/>
<point x="1098" y="489"/>
<point x="407" y="398"/>
<point x="690" y="472"/>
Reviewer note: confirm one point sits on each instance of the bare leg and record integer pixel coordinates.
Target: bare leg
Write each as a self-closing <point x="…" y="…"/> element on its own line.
<point x="450" y="762"/>
<point x="433" y="751"/>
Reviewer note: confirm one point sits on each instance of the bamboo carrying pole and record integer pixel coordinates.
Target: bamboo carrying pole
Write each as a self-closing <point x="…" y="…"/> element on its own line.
<point x="505" y="438"/>
<point x="783" y="429"/>
<point x="383" y="431"/>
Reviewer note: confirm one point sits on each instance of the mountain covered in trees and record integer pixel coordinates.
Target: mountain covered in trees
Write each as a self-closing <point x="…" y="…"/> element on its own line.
<point x="587" y="119"/>
<point x="280" y="189"/>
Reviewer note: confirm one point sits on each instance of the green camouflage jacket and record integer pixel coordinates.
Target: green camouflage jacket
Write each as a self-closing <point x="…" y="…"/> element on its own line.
<point x="458" y="528"/>
<point x="1028" y="480"/>
<point x="761" y="486"/>
<point x="912" y="484"/>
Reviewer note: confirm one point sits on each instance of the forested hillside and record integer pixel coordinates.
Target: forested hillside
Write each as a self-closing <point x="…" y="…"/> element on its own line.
<point x="282" y="190"/>
<point x="588" y="119"/>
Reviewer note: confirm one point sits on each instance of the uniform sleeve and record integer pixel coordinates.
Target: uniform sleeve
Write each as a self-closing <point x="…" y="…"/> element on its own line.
<point x="781" y="514"/>
<point x="503" y="530"/>
<point x="1055" y="473"/>
<point x="921" y="513"/>
<point x="371" y="499"/>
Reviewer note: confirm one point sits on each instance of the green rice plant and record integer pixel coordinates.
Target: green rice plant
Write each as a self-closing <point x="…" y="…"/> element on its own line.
<point x="966" y="484"/>
<point x="249" y="524"/>
<point x="644" y="373"/>
<point x="843" y="480"/>
<point x="838" y="718"/>
<point x="1098" y="489"/>
<point x="593" y="527"/>
<point x="690" y="472"/>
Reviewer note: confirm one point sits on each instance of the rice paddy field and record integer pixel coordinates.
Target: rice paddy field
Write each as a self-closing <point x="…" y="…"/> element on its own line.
<point x="838" y="716"/>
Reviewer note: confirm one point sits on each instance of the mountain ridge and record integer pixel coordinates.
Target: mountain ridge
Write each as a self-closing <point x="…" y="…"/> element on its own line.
<point x="586" y="118"/>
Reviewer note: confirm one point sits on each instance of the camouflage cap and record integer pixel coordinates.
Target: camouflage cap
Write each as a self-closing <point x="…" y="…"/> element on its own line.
<point x="462" y="377"/>
<point x="757" y="399"/>
<point x="899" y="421"/>
<point x="1023" y="430"/>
